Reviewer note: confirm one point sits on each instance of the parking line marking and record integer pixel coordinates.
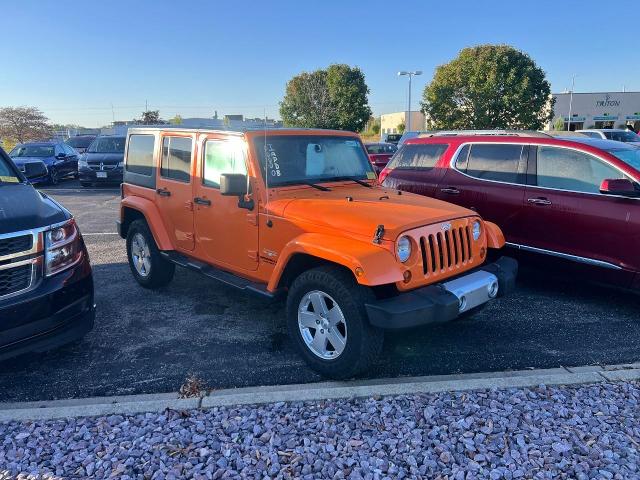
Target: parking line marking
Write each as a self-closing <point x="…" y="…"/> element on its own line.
<point x="99" y="233"/>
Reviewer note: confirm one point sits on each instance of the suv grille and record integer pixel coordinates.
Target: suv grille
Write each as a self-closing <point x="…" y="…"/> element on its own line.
<point x="9" y="246"/>
<point x="13" y="280"/>
<point x="443" y="250"/>
<point x="98" y="166"/>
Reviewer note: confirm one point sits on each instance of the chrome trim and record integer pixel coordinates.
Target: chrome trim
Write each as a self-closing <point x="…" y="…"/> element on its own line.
<point x="566" y="256"/>
<point x="473" y="289"/>
<point x="36" y="269"/>
<point x="454" y="158"/>
<point x="37" y="243"/>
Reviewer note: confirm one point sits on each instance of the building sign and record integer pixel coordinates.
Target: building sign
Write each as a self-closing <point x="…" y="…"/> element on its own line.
<point x="576" y="119"/>
<point x="635" y="116"/>
<point x="607" y="102"/>
<point x="604" y="118"/>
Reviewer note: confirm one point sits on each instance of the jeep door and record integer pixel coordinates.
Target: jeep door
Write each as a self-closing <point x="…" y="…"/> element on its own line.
<point x="567" y="216"/>
<point x="227" y="234"/>
<point x="174" y="187"/>
<point x="490" y="179"/>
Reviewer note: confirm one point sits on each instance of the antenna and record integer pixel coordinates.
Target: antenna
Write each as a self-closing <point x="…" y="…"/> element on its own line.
<point x="266" y="171"/>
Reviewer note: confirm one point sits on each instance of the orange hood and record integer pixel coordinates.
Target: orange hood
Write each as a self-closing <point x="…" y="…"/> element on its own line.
<point x="367" y="209"/>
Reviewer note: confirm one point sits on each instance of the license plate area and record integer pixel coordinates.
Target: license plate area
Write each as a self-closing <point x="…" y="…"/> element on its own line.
<point x="101" y="174"/>
<point x="473" y="289"/>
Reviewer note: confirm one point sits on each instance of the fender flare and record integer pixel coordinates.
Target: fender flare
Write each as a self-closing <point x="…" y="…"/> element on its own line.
<point x="152" y="216"/>
<point x="379" y="266"/>
<point x="495" y="237"/>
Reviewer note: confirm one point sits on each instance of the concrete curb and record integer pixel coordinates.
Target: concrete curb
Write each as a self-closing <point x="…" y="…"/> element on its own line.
<point x="133" y="404"/>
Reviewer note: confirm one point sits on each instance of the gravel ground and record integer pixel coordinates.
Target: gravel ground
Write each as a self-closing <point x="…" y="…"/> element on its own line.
<point x="590" y="431"/>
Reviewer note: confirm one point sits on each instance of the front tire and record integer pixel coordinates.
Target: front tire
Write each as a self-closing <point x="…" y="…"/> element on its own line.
<point x="327" y="321"/>
<point x="54" y="178"/>
<point x="147" y="265"/>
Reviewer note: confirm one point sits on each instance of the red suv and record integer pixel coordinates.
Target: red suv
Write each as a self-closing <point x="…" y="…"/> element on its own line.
<point x="577" y="199"/>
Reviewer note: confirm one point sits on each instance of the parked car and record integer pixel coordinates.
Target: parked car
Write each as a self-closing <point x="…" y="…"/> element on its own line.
<point x="60" y="159"/>
<point x="391" y="138"/>
<point x="617" y="134"/>
<point x="573" y="199"/>
<point x="298" y="213"/>
<point x="379" y="154"/>
<point x="103" y="161"/>
<point x="407" y="135"/>
<point x="80" y="143"/>
<point x="46" y="284"/>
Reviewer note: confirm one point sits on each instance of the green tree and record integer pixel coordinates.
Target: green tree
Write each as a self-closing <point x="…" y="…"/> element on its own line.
<point x="559" y="124"/>
<point x="177" y="120"/>
<point x="22" y="124"/>
<point x="401" y="127"/>
<point x="488" y="87"/>
<point x="335" y="97"/>
<point x="151" y="117"/>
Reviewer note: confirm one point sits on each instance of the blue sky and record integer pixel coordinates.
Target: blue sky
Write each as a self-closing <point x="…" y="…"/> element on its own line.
<point x="75" y="59"/>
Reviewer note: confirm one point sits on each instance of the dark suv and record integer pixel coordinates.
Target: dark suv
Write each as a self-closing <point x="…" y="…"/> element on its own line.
<point x="46" y="283"/>
<point x="102" y="162"/>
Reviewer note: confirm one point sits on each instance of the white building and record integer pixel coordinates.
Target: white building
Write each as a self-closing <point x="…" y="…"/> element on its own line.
<point x="597" y="110"/>
<point x="390" y="122"/>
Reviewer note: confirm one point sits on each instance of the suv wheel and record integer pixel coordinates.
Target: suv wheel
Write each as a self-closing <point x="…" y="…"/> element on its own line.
<point x="53" y="176"/>
<point x="327" y="321"/>
<point x="147" y="265"/>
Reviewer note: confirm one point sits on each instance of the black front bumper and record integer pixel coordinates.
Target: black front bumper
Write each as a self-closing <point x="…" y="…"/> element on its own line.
<point x="58" y="311"/>
<point x="88" y="175"/>
<point x="434" y="304"/>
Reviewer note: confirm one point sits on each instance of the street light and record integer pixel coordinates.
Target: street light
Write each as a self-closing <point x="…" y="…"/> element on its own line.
<point x="409" y="74"/>
<point x="573" y="83"/>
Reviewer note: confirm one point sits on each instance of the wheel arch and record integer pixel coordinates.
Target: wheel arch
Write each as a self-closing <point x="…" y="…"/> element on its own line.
<point x="143" y="209"/>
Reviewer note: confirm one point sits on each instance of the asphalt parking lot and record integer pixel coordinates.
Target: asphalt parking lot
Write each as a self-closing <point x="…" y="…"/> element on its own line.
<point x="148" y="342"/>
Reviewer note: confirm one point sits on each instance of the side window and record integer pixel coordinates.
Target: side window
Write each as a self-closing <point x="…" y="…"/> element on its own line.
<point x="220" y="157"/>
<point x="498" y="162"/>
<point x="176" y="158"/>
<point x="140" y="154"/>
<point x="418" y="156"/>
<point x="462" y="159"/>
<point x="565" y="169"/>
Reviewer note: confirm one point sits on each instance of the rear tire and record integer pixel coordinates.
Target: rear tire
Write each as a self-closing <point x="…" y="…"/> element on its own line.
<point x="358" y="343"/>
<point x="149" y="268"/>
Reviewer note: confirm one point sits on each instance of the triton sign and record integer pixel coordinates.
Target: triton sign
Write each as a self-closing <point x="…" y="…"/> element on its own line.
<point x="607" y="102"/>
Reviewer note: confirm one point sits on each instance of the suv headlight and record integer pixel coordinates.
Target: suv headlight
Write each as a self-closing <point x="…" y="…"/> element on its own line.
<point x="63" y="247"/>
<point x="82" y="163"/>
<point x="403" y="249"/>
<point x="121" y="164"/>
<point x="477" y="230"/>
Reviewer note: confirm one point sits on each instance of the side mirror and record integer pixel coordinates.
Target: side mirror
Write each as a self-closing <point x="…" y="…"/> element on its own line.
<point x="35" y="170"/>
<point x="619" y="186"/>
<point x="233" y="184"/>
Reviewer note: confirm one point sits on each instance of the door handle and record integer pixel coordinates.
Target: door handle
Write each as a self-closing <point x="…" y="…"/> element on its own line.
<point x="163" y="192"/>
<point x="539" y="201"/>
<point x="202" y="201"/>
<point x="450" y="191"/>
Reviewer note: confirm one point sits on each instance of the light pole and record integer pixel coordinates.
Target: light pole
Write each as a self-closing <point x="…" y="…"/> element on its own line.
<point x="409" y="74"/>
<point x="573" y="83"/>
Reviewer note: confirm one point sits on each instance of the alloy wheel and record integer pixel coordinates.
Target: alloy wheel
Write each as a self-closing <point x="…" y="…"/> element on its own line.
<point x="322" y="325"/>
<point x="141" y="255"/>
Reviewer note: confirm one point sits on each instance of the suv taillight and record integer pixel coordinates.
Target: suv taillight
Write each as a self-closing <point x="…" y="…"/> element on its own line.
<point x="383" y="174"/>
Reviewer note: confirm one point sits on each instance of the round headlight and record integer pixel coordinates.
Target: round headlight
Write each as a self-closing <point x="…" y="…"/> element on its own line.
<point x="477" y="230"/>
<point x="403" y="249"/>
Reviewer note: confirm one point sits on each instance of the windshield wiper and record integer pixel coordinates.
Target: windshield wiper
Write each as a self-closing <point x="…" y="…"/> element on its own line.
<point x="353" y="179"/>
<point x="305" y="182"/>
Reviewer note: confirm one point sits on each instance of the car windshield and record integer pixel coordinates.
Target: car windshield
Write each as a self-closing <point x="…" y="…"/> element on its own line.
<point x="107" y="145"/>
<point x="630" y="156"/>
<point x="378" y="148"/>
<point x="32" y="151"/>
<point x="292" y="159"/>
<point x="623" y="136"/>
<point x="7" y="174"/>
<point x="79" y="142"/>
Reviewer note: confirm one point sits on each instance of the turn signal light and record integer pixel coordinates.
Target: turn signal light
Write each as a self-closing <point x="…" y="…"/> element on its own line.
<point x="407" y="276"/>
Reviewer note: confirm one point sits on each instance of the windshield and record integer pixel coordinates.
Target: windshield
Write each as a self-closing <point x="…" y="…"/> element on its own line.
<point x="107" y="145"/>
<point x="623" y="136"/>
<point x="630" y="156"/>
<point x="79" y="142"/>
<point x="380" y="148"/>
<point x="7" y="174"/>
<point x="32" y="151"/>
<point x="312" y="158"/>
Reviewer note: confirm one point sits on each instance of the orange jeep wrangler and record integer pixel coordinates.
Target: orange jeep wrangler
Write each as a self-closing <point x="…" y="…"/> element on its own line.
<point x="299" y="213"/>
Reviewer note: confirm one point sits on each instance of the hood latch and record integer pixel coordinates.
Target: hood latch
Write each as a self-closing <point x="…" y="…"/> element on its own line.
<point x="377" y="237"/>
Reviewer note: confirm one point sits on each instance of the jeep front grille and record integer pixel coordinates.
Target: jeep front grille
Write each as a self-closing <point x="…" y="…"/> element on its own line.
<point x="444" y="250"/>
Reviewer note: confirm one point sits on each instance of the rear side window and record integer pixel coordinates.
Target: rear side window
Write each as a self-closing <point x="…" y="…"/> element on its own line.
<point x="497" y="162"/>
<point x="418" y="156"/>
<point x="140" y="154"/>
<point x="176" y="158"/>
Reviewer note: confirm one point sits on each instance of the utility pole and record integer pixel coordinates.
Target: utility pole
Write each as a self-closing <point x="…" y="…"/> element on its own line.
<point x="573" y="83"/>
<point x="410" y="75"/>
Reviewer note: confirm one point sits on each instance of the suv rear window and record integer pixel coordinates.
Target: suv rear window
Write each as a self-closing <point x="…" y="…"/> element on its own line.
<point x="497" y="162"/>
<point x="176" y="158"/>
<point x="140" y="154"/>
<point x="418" y="156"/>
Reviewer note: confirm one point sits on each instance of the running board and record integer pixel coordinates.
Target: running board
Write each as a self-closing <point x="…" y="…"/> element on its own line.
<point x="220" y="275"/>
